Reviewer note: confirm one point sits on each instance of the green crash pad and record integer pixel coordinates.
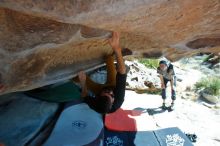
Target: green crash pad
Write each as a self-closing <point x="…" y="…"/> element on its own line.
<point x="61" y="93"/>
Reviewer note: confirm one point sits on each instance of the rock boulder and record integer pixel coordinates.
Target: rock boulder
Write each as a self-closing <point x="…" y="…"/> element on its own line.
<point x="43" y="42"/>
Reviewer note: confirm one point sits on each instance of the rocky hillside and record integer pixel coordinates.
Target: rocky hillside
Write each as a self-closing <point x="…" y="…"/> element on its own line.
<point x="194" y="113"/>
<point x="188" y="72"/>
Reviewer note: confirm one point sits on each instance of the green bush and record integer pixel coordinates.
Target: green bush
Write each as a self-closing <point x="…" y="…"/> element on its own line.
<point x="150" y="63"/>
<point x="211" y="84"/>
<point x="206" y="58"/>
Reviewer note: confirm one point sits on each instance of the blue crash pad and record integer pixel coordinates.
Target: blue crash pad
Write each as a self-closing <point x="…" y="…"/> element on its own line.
<point x="77" y="125"/>
<point x="119" y="138"/>
<point x="22" y="118"/>
<point x="164" y="137"/>
<point x="172" y="137"/>
<point x="115" y="138"/>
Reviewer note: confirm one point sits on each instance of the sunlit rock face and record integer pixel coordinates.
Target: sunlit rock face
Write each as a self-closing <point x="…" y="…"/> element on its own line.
<point x="43" y="42"/>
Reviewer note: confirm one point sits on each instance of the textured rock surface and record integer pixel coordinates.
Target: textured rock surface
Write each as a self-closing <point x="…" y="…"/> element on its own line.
<point x="22" y="118"/>
<point x="42" y="42"/>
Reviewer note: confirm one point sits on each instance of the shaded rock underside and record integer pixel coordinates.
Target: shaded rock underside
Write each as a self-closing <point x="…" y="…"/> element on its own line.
<point x="43" y="42"/>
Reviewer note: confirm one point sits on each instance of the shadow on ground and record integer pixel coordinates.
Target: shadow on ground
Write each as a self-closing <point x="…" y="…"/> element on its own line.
<point x="151" y="111"/>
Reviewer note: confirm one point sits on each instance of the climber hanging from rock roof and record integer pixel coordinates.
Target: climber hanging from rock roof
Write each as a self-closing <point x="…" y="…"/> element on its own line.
<point x="107" y="97"/>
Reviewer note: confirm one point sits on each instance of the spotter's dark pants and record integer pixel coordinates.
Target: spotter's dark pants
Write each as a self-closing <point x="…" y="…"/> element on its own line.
<point x="173" y="93"/>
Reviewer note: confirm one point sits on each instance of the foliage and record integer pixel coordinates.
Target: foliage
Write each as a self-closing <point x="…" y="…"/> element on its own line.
<point x="206" y="58"/>
<point x="150" y="63"/>
<point x="211" y="84"/>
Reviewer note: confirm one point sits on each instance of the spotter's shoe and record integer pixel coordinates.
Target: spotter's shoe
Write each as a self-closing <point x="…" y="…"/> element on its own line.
<point x="171" y="107"/>
<point x="163" y="106"/>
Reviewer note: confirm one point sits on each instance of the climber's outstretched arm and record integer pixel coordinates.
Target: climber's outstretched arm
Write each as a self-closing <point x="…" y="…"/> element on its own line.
<point x="114" y="42"/>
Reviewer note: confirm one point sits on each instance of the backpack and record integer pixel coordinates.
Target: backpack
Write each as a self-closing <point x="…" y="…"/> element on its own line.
<point x="170" y="67"/>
